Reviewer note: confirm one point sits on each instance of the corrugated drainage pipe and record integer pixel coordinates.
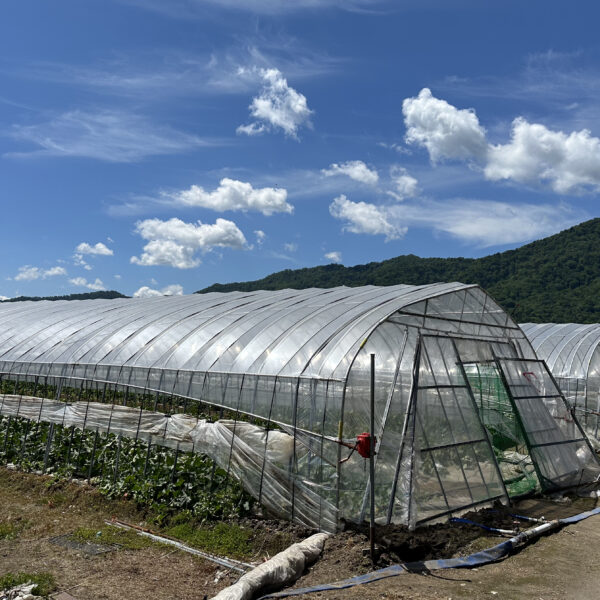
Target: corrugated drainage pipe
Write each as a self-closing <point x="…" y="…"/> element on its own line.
<point x="283" y="569"/>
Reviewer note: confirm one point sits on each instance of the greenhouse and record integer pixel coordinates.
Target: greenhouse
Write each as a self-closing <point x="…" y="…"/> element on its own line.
<point x="274" y="387"/>
<point x="572" y="353"/>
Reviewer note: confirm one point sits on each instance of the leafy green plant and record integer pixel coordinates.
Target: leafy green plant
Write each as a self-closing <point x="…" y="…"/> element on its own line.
<point x="161" y="480"/>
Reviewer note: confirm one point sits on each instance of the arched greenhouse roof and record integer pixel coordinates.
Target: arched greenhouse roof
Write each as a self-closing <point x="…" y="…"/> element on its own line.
<point x="310" y="332"/>
<point x="567" y="348"/>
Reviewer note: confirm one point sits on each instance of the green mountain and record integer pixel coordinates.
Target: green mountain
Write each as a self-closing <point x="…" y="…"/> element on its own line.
<point x="108" y="295"/>
<point x="555" y="279"/>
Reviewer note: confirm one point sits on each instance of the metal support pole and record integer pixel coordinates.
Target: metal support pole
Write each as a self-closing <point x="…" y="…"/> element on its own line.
<point x="372" y="461"/>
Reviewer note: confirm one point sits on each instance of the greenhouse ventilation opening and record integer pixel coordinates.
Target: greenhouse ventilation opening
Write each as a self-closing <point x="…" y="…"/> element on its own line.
<point x="269" y="383"/>
<point x="572" y="353"/>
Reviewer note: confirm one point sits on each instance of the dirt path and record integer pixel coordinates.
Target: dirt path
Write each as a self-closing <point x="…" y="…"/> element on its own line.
<point x="565" y="565"/>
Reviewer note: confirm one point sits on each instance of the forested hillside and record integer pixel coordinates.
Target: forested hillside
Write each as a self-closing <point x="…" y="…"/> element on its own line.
<point x="109" y="295"/>
<point x="556" y="279"/>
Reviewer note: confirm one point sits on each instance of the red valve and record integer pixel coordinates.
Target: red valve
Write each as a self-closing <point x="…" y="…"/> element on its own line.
<point x="363" y="444"/>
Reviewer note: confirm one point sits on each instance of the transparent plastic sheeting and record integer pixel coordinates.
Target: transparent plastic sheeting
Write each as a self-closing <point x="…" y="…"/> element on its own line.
<point x="299" y="361"/>
<point x="260" y="459"/>
<point x="559" y="448"/>
<point x="572" y="352"/>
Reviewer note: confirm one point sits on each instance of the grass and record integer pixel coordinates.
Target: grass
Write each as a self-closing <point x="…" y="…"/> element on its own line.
<point x="9" y="530"/>
<point x="225" y="539"/>
<point x="129" y="540"/>
<point x="44" y="582"/>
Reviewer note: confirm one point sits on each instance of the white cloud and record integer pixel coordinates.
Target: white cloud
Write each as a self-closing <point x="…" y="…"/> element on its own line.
<point x="96" y="285"/>
<point x="167" y="252"/>
<point x="405" y="185"/>
<point x="235" y="195"/>
<point x="335" y="257"/>
<point x="157" y="74"/>
<point x="484" y="222"/>
<point x="362" y="217"/>
<point x="278" y="106"/>
<point x="98" y="249"/>
<point x="2" y="298"/>
<point x="170" y="290"/>
<point x="28" y="273"/>
<point x="117" y="276"/>
<point x="175" y="242"/>
<point x="443" y="129"/>
<point x="290" y="247"/>
<point x="197" y="8"/>
<point x="261" y="236"/>
<point x="394" y="146"/>
<point x="112" y="136"/>
<point x="570" y="163"/>
<point x="355" y="169"/>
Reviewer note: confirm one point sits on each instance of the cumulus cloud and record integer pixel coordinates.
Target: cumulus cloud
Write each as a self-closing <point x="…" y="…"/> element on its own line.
<point x="569" y="163"/>
<point x="235" y="195"/>
<point x="355" y="169"/>
<point x="261" y="236"/>
<point x="290" y="247"/>
<point x="444" y="130"/>
<point x="79" y="261"/>
<point x="98" y="249"/>
<point x="334" y="257"/>
<point x="175" y="242"/>
<point x="148" y="292"/>
<point x="405" y="185"/>
<point x="96" y="285"/>
<point x="28" y="273"/>
<point x="362" y="217"/>
<point x="278" y="106"/>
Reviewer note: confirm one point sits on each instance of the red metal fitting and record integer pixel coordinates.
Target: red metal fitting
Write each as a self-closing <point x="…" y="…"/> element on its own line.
<point x="363" y="444"/>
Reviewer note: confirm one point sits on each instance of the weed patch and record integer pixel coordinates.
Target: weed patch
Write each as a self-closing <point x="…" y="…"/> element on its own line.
<point x="128" y="540"/>
<point x="44" y="582"/>
<point x="9" y="530"/>
<point x="225" y="539"/>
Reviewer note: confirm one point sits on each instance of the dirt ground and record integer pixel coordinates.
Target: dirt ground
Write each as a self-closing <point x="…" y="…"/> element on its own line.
<point x="153" y="572"/>
<point x="562" y="565"/>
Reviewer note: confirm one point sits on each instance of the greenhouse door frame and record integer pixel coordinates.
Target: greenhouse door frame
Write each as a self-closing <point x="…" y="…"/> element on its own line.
<point x="496" y="362"/>
<point x="544" y="481"/>
<point x="412" y="412"/>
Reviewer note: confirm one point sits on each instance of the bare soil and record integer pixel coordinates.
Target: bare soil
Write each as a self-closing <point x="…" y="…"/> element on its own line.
<point x="563" y="565"/>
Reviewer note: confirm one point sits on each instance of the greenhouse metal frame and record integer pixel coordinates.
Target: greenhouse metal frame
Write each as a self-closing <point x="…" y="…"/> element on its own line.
<point x="274" y="387"/>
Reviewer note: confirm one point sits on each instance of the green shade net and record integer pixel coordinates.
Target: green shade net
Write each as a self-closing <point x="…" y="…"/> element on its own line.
<point x="498" y="416"/>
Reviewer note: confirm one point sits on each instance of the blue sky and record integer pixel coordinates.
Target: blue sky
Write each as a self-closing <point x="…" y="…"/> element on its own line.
<point x="158" y="147"/>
